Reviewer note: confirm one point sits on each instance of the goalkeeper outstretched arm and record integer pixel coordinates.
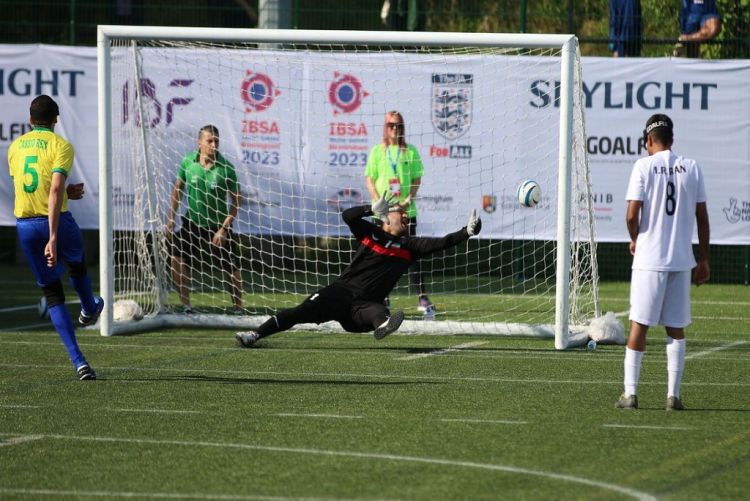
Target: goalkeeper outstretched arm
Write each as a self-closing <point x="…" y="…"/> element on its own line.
<point x="421" y="246"/>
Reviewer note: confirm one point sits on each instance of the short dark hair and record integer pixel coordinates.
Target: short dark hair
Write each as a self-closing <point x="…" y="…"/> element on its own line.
<point x="209" y="128"/>
<point x="43" y="110"/>
<point x="661" y="128"/>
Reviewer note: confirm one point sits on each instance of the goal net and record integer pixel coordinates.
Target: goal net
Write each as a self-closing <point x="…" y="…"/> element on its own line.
<point x="298" y="113"/>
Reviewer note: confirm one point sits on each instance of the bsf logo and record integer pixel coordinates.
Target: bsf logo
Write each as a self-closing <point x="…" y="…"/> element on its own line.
<point x="345" y="93"/>
<point x="258" y="92"/>
<point x="489" y="203"/>
<point x="451" y="103"/>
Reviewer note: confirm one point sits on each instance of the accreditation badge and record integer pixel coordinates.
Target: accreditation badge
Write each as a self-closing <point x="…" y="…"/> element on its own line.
<point x="394" y="186"/>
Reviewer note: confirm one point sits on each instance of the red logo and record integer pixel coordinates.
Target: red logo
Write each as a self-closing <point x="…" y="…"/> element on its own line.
<point x="345" y="93"/>
<point x="257" y="91"/>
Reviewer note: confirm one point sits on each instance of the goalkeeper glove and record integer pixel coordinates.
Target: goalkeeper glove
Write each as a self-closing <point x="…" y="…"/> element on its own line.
<point x="381" y="206"/>
<point x="474" y="226"/>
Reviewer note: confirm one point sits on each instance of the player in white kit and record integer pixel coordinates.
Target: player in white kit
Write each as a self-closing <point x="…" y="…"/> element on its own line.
<point x="666" y="196"/>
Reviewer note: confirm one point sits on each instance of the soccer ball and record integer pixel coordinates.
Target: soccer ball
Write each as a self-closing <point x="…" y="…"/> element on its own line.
<point x="528" y="193"/>
<point x="125" y="310"/>
<point x="42" y="308"/>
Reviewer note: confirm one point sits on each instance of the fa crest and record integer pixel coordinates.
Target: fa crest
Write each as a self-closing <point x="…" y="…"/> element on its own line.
<point x="451" y="103"/>
<point x="489" y="203"/>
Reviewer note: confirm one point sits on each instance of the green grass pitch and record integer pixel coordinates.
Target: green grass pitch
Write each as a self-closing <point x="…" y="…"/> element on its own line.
<point x="184" y="414"/>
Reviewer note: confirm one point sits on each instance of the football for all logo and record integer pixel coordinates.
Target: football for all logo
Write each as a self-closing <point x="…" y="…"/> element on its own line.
<point x="451" y="103"/>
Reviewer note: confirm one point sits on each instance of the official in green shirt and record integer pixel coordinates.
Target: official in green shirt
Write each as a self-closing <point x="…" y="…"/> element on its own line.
<point x="206" y="232"/>
<point x="396" y="167"/>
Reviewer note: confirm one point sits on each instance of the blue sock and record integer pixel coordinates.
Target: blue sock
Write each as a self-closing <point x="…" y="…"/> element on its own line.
<point x="64" y="326"/>
<point x="82" y="285"/>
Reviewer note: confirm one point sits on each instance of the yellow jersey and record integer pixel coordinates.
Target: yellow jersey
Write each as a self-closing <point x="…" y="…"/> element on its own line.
<point x="32" y="159"/>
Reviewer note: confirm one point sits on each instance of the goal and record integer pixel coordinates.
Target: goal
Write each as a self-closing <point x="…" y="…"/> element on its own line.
<point x="297" y="113"/>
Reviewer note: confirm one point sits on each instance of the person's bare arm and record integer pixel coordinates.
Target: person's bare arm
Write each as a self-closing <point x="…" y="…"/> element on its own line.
<point x="54" y="204"/>
<point x="702" y="270"/>
<point x="633" y="221"/>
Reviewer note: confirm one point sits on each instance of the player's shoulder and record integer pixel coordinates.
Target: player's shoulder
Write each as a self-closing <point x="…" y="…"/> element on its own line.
<point x="190" y="157"/>
<point x="224" y="162"/>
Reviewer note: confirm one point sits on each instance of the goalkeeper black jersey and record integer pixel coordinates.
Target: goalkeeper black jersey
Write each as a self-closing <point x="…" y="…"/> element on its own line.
<point x="381" y="258"/>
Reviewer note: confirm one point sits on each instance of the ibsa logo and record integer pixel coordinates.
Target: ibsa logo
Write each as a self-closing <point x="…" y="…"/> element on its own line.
<point x="258" y="92"/>
<point x="454" y="151"/>
<point x="345" y="93"/>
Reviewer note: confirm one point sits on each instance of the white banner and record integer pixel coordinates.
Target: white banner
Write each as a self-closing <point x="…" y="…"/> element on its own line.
<point x="335" y="116"/>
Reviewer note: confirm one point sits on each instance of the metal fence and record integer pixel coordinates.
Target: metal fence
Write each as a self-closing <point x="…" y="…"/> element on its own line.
<point x="74" y="22"/>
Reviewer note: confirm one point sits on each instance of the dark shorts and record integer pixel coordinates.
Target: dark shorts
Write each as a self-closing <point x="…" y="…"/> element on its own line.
<point x="33" y="235"/>
<point x="695" y="22"/>
<point x="338" y="303"/>
<point x="193" y="242"/>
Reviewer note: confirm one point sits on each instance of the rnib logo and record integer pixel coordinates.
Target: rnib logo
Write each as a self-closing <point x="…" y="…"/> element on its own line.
<point x="451" y="103"/>
<point x="345" y="93"/>
<point x="257" y="91"/>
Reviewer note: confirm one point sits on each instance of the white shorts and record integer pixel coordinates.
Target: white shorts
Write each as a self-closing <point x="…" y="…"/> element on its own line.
<point x="660" y="298"/>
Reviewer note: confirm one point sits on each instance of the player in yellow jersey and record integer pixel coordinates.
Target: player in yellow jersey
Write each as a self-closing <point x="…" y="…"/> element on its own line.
<point x="40" y="162"/>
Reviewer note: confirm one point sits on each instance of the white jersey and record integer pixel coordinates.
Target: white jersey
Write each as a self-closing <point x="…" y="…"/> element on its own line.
<point x="669" y="186"/>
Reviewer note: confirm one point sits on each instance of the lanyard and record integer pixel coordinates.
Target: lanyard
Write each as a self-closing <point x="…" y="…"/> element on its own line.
<point x="390" y="160"/>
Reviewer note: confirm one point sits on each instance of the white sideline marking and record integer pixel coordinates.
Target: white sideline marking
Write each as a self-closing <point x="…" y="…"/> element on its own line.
<point x="19" y="440"/>
<point x="155" y="411"/>
<point x="488" y="421"/>
<point x="139" y="495"/>
<point x="326" y="416"/>
<point x="646" y="427"/>
<point x="713" y="350"/>
<point x="339" y="375"/>
<point x="19" y="406"/>
<point x="643" y="496"/>
<point x="443" y="351"/>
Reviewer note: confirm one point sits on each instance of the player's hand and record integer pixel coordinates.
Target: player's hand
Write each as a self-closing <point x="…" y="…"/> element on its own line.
<point x="219" y="237"/>
<point x="632" y="247"/>
<point x="75" y="191"/>
<point x="474" y="226"/>
<point x="382" y="205"/>
<point x="701" y="273"/>
<point x="50" y="252"/>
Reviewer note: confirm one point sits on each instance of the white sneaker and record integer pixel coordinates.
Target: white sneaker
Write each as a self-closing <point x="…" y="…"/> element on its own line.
<point x="390" y="325"/>
<point x="246" y="339"/>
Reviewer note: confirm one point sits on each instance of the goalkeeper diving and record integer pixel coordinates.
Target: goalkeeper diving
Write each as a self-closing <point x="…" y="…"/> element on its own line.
<point x="355" y="299"/>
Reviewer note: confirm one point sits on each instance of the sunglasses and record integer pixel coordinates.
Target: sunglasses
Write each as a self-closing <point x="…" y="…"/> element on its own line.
<point x="393" y="125"/>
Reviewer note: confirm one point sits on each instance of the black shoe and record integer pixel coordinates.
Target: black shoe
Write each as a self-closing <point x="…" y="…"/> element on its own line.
<point x="85" y="373"/>
<point x="390" y="325"/>
<point x="90" y="319"/>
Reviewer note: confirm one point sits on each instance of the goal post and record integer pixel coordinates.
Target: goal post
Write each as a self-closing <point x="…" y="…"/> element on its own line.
<point x="298" y="112"/>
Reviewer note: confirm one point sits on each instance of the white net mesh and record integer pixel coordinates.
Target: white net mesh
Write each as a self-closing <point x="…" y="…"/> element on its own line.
<point x="296" y="122"/>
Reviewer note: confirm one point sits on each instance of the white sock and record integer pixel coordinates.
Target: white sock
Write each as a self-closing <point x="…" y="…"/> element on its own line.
<point x="675" y="365"/>
<point x="632" y="370"/>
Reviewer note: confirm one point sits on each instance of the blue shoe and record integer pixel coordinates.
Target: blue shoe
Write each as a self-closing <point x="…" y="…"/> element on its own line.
<point x="90" y="319"/>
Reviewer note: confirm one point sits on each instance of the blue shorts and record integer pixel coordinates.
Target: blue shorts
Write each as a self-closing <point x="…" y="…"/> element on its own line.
<point x="33" y="235"/>
<point x="695" y="22"/>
